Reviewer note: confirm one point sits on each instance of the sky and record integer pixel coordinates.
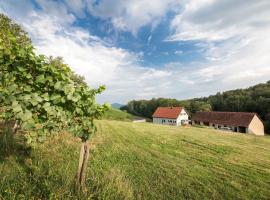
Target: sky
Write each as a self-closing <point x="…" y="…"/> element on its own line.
<point x="142" y="49"/>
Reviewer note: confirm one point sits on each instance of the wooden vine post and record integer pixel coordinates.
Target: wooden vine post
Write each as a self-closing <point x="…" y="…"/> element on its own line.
<point x="81" y="174"/>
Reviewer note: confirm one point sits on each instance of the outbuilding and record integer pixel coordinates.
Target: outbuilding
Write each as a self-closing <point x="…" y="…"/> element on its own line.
<point x="175" y="116"/>
<point x="242" y="122"/>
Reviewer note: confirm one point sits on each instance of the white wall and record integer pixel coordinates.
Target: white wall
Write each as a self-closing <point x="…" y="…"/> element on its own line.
<point x="182" y="117"/>
<point x="256" y="126"/>
<point x="164" y="121"/>
<point x="175" y="122"/>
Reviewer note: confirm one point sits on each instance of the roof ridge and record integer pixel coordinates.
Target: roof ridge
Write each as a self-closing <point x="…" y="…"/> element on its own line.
<point x="167" y="112"/>
<point x="226" y="112"/>
<point x="226" y="118"/>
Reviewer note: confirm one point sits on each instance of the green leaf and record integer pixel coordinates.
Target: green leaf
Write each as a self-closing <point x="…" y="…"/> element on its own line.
<point x="40" y="79"/>
<point x="58" y="85"/>
<point x="46" y="105"/>
<point x="12" y="88"/>
<point x="69" y="96"/>
<point x="27" y="97"/>
<point x="17" y="108"/>
<point x="28" y="125"/>
<point x="49" y="109"/>
<point x="69" y="89"/>
<point x="27" y="88"/>
<point x="49" y="79"/>
<point x="21" y="69"/>
<point x="33" y="102"/>
<point x="14" y="103"/>
<point x="27" y="115"/>
<point x="36" y="97"/>
<point x="28" y="76"/>
<point x="78" y="111"/>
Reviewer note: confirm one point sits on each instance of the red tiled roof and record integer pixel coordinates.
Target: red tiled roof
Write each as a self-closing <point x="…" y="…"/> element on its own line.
<point x="167" y="112"/>
<point x="225" y="118"/>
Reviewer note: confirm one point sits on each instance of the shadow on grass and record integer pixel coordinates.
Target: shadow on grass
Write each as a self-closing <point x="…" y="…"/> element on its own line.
<point x="13" y="145"/>
<point x="38" y="177"/>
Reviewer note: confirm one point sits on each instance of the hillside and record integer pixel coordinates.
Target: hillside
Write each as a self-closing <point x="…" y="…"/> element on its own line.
<point x="116" y="114"/>
<point x="142" y="161"/>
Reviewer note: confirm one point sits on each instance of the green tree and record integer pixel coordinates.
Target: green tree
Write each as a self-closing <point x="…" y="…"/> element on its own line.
<point x="43" y="96"/>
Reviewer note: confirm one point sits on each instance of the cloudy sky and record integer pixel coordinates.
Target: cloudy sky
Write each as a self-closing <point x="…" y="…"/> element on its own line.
<point x="153" y="48"/>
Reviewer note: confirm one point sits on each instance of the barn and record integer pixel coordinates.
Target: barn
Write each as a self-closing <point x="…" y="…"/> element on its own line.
<point x="175" y="116"/>
<point x="242" y="122"/>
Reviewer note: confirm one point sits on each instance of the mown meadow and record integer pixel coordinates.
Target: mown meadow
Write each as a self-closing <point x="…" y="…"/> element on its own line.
<point x="139" y="161"/>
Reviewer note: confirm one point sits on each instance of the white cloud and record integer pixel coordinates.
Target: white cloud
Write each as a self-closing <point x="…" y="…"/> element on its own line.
<point x="131" y="15"/>
<point x="219" y="19"/>
<point x="149" y="40"/>
<point x="88" y="55"/>
<point x="77" y="6"/>
<point x="179" y="52"/>
<point x="233" y="36"/>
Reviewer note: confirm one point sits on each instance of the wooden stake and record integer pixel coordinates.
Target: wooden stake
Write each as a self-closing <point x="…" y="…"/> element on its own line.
<point x="81" y="174"/>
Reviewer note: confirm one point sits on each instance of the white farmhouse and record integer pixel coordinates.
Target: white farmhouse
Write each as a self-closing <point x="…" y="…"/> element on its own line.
<point x="175" y="116"/>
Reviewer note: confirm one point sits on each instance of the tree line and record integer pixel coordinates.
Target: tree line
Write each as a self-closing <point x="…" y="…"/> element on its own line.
<point x="253" y="99"/>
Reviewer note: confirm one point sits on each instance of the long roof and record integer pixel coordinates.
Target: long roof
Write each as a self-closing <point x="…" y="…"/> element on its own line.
<point x="225" y="118"/>
<point x="167" y="112"/>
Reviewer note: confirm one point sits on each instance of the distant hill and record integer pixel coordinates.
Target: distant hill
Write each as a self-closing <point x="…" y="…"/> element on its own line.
<point x="116" y="114"/>
<point x="117" y="105"/>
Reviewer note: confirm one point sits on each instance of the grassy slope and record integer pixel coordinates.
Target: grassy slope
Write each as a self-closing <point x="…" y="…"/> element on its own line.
<point x="116" y="114"/>
<point x="144" y="161"/>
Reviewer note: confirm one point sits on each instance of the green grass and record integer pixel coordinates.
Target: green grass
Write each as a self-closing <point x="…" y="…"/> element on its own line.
<point x="142" y="161"/>
<point x="116" y="114"/>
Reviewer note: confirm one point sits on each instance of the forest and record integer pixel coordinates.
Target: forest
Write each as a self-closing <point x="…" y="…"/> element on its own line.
<point x="252" y="99"/>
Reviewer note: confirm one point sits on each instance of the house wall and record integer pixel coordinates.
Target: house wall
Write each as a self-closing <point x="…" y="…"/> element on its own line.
<point x="182" y="117"/>
<point x="216" y="126"/>
<point x="256" y="126"/>
<point x="165" y="121"/>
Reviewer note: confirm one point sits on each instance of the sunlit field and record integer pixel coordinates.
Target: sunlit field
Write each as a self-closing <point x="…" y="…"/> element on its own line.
<point x="140" y="161"/>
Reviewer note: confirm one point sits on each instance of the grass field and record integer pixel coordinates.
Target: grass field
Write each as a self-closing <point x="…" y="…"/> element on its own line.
<point x="142" y="161"/>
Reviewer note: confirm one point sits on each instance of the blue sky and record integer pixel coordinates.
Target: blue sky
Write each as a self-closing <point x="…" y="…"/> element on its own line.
<point x="156" y="48"/>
